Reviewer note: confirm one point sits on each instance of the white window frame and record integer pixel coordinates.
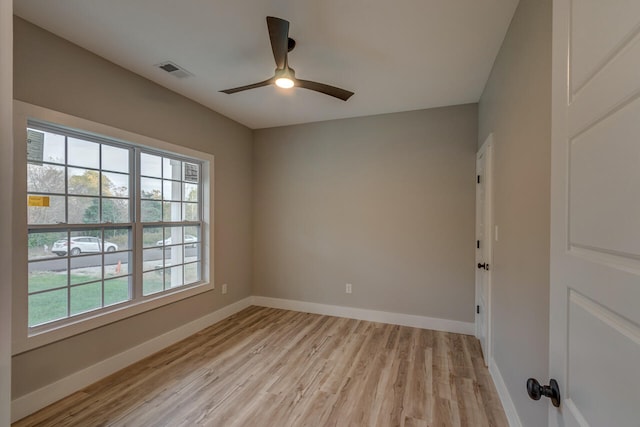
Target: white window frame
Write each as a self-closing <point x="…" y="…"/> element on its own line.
<point x="24" y="338"/>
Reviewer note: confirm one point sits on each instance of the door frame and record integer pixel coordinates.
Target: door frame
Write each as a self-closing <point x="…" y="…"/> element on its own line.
<point x="6" y="172"/>
<point x="486" y="149"/>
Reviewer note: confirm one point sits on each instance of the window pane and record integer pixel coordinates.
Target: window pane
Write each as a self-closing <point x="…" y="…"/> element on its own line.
<point x="173" y="235"/>
<point x="84" y="181"/>
<point x="191" y="212"/>
<point x="83" y="153"/>
<point x="115" y="210"/>
<point x="84" y="210"/>
<point x="191" y="172"/>
<point x="47" y="307"/>
<point x="150" y="165"/>
<point x="152" y="282"/>
<point x="152" y="237"/>
<point x="173" y="255"/>
<point x="52" y="214"/>
<point x="192" y="253"/>
<point x="49" y="274"/>
<point x="171" y="190"/>
<point x="192" y="233"/>
<point x="45" y="178"/>
<point x="116" y="290"/>
<point x="86" y="297"/>
<point x="190" y="193"/>
<point x="86" y="269"/>
<point x="171" y="169"/>
<point x="171" y="211"/>
<point x="150" y="211"/>
<point x="173" y="277"/>
<point x="115" y="159"/>
<point x="60" y="247"/>
<point x="115" y="184"/>
<point x="150" y="188"/>
<point x="40" y="244"/>
<point x="53" y="149"/>
<point x="86" y="242"/>
<point x="116" y="239"/>
<point x="191" y="273"/>
<point x="116" y="264"/>
<point x="152" y="259"/>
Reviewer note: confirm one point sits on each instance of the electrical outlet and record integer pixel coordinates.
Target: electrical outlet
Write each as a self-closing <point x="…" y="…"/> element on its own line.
<point x="224" y="288"/>
<point x="347" y="288"/>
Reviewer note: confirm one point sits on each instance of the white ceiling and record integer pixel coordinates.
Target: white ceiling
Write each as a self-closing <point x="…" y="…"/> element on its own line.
<point x="395" y="55"/>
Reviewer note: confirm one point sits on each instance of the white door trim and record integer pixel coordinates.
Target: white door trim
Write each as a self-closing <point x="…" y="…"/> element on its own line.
<point x="486" y="149"/>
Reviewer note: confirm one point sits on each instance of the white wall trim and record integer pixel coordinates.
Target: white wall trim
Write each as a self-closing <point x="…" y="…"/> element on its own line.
<point x="507" y="403"/>
<point x="6" y="177"/>
<point x="370" y="315"/>
<point x="38" y="399"/>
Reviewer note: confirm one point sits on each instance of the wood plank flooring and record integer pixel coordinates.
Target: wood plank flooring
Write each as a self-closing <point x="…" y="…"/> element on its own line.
<point x="269" y="367"/>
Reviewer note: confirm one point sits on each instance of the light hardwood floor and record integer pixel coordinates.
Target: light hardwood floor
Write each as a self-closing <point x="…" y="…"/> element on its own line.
<point x="269" y="367"/>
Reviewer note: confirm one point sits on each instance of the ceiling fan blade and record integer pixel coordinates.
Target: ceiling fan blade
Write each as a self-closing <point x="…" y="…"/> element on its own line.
<point x="247" y="87"/>
<point x="279" y="36"/>
<point x="326" y="89"/>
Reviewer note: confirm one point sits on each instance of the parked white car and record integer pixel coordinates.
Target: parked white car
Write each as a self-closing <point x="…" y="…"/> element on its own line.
<point x="82" y="244"/>
<point x="188" y="239"/>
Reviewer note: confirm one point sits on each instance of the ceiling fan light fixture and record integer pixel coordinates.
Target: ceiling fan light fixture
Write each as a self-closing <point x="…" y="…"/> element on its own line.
<point x="285" y="78"/>
<point x="284" y="82"/>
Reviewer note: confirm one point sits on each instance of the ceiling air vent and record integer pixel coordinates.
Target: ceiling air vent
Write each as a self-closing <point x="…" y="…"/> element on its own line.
<point x="174" y="69"/>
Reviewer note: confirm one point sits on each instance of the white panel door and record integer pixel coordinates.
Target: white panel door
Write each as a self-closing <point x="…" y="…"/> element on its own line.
<point x="595" y="213"/>
<point x="483" y="248"/>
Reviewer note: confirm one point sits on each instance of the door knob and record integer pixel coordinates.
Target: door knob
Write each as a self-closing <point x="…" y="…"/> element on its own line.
<point x="483" y="265"/>
<point x="536" y="391"/>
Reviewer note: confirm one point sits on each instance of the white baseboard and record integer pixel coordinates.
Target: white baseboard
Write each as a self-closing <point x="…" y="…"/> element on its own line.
<point x="412" y="320"/>
<point x="38" y="399"/>
<point x="505" y="397"/>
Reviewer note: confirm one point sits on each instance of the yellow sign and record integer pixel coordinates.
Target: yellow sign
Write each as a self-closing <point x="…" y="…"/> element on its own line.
<point x="38" y="201"/>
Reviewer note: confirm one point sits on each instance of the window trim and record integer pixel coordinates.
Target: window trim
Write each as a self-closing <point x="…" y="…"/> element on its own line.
<point x="23" y="339"/>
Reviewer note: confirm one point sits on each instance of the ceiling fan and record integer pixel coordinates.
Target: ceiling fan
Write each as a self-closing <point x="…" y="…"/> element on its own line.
<point x="285" y="76"/>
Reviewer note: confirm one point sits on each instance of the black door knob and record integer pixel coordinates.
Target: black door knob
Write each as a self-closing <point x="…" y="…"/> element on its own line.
<point x="483" y="265"/>
<point x="536" y="391"/>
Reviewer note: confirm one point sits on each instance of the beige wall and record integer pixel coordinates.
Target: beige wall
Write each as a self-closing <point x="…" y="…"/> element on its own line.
<point x="6" y="170"/>
<point x="383" y="202"/>
<point x="53" y="73"/>
<point x="516" y="107"/>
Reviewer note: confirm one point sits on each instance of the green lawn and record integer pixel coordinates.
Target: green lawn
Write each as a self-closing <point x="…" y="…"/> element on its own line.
<point x="53" y="305"/>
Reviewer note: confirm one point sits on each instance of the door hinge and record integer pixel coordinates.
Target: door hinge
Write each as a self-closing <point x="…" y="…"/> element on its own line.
<point x="477" y="309"/>
<point x="478" y="179"/>
<point x="478" y="244"/>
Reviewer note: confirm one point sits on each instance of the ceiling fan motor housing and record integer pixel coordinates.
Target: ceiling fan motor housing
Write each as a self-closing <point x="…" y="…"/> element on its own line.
<point x="286" y="73"/>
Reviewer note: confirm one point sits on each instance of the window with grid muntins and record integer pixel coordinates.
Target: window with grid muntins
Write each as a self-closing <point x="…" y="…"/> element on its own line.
<point x="170" y="218"/>
<point x="109" y="223"/>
